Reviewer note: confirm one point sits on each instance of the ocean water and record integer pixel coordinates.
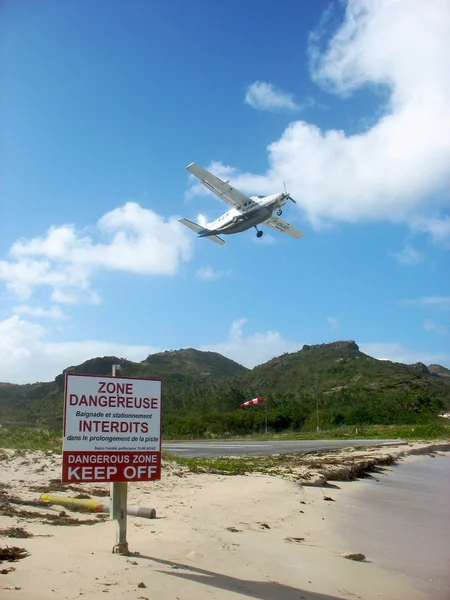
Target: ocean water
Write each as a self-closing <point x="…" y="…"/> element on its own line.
<point x="402" y="522"/>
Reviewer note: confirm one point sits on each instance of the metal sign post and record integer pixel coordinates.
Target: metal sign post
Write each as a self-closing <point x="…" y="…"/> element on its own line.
<point x="118" y="510"/>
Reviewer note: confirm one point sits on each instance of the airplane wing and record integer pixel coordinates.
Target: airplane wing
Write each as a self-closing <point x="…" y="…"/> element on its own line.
<point x="217" y="186"/>
<point x="279" y="225"/>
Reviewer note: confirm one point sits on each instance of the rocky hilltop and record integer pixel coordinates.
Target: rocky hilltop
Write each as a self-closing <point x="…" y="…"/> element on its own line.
<point x="348" y="345"/>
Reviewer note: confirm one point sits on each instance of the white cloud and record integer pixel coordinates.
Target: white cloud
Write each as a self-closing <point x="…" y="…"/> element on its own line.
<point x="202" y="220"/>
<point x="133" y="239"/>
<point x="209" y="274"/>
<point x="397" y="352"/>
<point x="334" y="323"/>
<point x="28" y="356"/>
<point x="408" y="256"/>
<point x="397" y="169"/>
<point x="430" y="325"/>
<point x="264" y="96"/>
<point x="439" y="229"/>
<point x="253" y="349"/>
<point x="431" y="301"/>
<point x="54" y="312"/>
<point x="257" y="348"/>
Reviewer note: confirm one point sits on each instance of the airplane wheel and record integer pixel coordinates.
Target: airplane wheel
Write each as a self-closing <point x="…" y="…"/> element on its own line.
<point x="279" y="212"/>
<point x="259" y="234"/>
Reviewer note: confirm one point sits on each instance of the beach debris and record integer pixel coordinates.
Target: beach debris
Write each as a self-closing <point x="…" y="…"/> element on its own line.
<point x="7" y="570"/>
<point x="11" y="587"/>
<point x="264" y="525"/>
<point x="141" y="585"/>
<point x="8" y="510"/>
<point x="345" y="592"/>
<point x="294" y="539"/>
<point x="84" y="505"/>
<point x="234" y="530"/>
<point x="15" y="532"/>
<point x="75" y="504"/>
<point x="12" y="553"/>
<point x="328" y="498"/>
<point x="354" y="556"/>
<point x="100" y="492"/>
<point x="6" y="499"/>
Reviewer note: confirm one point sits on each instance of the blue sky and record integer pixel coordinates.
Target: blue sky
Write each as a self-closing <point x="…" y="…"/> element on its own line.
<point x="104" y="104"/>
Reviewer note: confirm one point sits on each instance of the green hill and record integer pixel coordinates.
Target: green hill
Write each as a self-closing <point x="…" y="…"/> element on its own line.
<point x="203" y="390"/>
<point x="193" y="362"/>
<point x="342" y="366"/>
<point x="189" y="378"/>
<point x="439" y="370"/>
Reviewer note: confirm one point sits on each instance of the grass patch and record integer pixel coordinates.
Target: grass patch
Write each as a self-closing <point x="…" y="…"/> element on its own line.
<point x="30" y="439"/>
<point x="280" y="465"/>
<point x="239" y="465"/>
<point x="422" y="431"/>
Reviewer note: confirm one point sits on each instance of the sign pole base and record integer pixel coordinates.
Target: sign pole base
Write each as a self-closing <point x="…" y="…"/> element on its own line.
<point x="118" y="512"/>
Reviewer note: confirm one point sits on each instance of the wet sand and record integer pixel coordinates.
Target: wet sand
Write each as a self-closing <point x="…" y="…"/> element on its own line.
<point x="402" y="521"/>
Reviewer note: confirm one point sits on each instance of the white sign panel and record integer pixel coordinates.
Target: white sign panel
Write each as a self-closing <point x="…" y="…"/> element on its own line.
<point x="112" y="429"/>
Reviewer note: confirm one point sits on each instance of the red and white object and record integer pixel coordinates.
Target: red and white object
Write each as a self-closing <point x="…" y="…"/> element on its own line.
<point x="112" y="429"/>
<point x="254" y="401"/>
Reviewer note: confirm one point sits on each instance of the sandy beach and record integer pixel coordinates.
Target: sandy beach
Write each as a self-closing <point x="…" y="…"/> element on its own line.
<point x="215" y="537"/>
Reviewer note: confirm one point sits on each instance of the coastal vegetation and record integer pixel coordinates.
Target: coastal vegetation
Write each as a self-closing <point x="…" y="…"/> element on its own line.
<point x="329" y="390"/>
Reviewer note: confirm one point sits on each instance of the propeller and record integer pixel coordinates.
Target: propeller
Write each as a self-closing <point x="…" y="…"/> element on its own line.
<point x="288" y="195"/>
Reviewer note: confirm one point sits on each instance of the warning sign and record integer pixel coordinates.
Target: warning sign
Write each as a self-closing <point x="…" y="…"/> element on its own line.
<point x="112" y="429"/>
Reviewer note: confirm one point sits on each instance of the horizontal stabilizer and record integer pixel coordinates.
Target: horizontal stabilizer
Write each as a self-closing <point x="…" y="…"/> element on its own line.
<point x="199" y="229"/>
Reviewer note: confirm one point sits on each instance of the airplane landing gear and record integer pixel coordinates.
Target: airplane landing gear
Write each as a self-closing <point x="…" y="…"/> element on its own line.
<point x="279" y="212"/>
<point x="258" y="232"/>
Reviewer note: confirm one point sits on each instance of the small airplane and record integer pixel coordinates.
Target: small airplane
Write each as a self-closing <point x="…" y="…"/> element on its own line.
<point x="245" y="212"/>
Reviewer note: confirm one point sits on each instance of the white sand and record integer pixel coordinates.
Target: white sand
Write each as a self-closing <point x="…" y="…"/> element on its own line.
<point x="187" y="552"/>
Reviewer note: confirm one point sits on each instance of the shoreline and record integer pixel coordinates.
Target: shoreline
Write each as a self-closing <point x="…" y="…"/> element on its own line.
<point x="215" y="536"/>
<point x="400" y="517"/>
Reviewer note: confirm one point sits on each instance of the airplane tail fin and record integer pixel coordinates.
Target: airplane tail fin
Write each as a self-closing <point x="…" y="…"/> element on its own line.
<point x="199" y="229"/>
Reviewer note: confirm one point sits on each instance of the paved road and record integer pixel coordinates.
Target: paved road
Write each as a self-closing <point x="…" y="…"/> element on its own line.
<point x="266" y="448"/>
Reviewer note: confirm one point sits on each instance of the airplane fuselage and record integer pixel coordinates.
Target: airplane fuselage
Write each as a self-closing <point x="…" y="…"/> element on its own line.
<point x="257" y="210"/>
<point x="243" y="222"/>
